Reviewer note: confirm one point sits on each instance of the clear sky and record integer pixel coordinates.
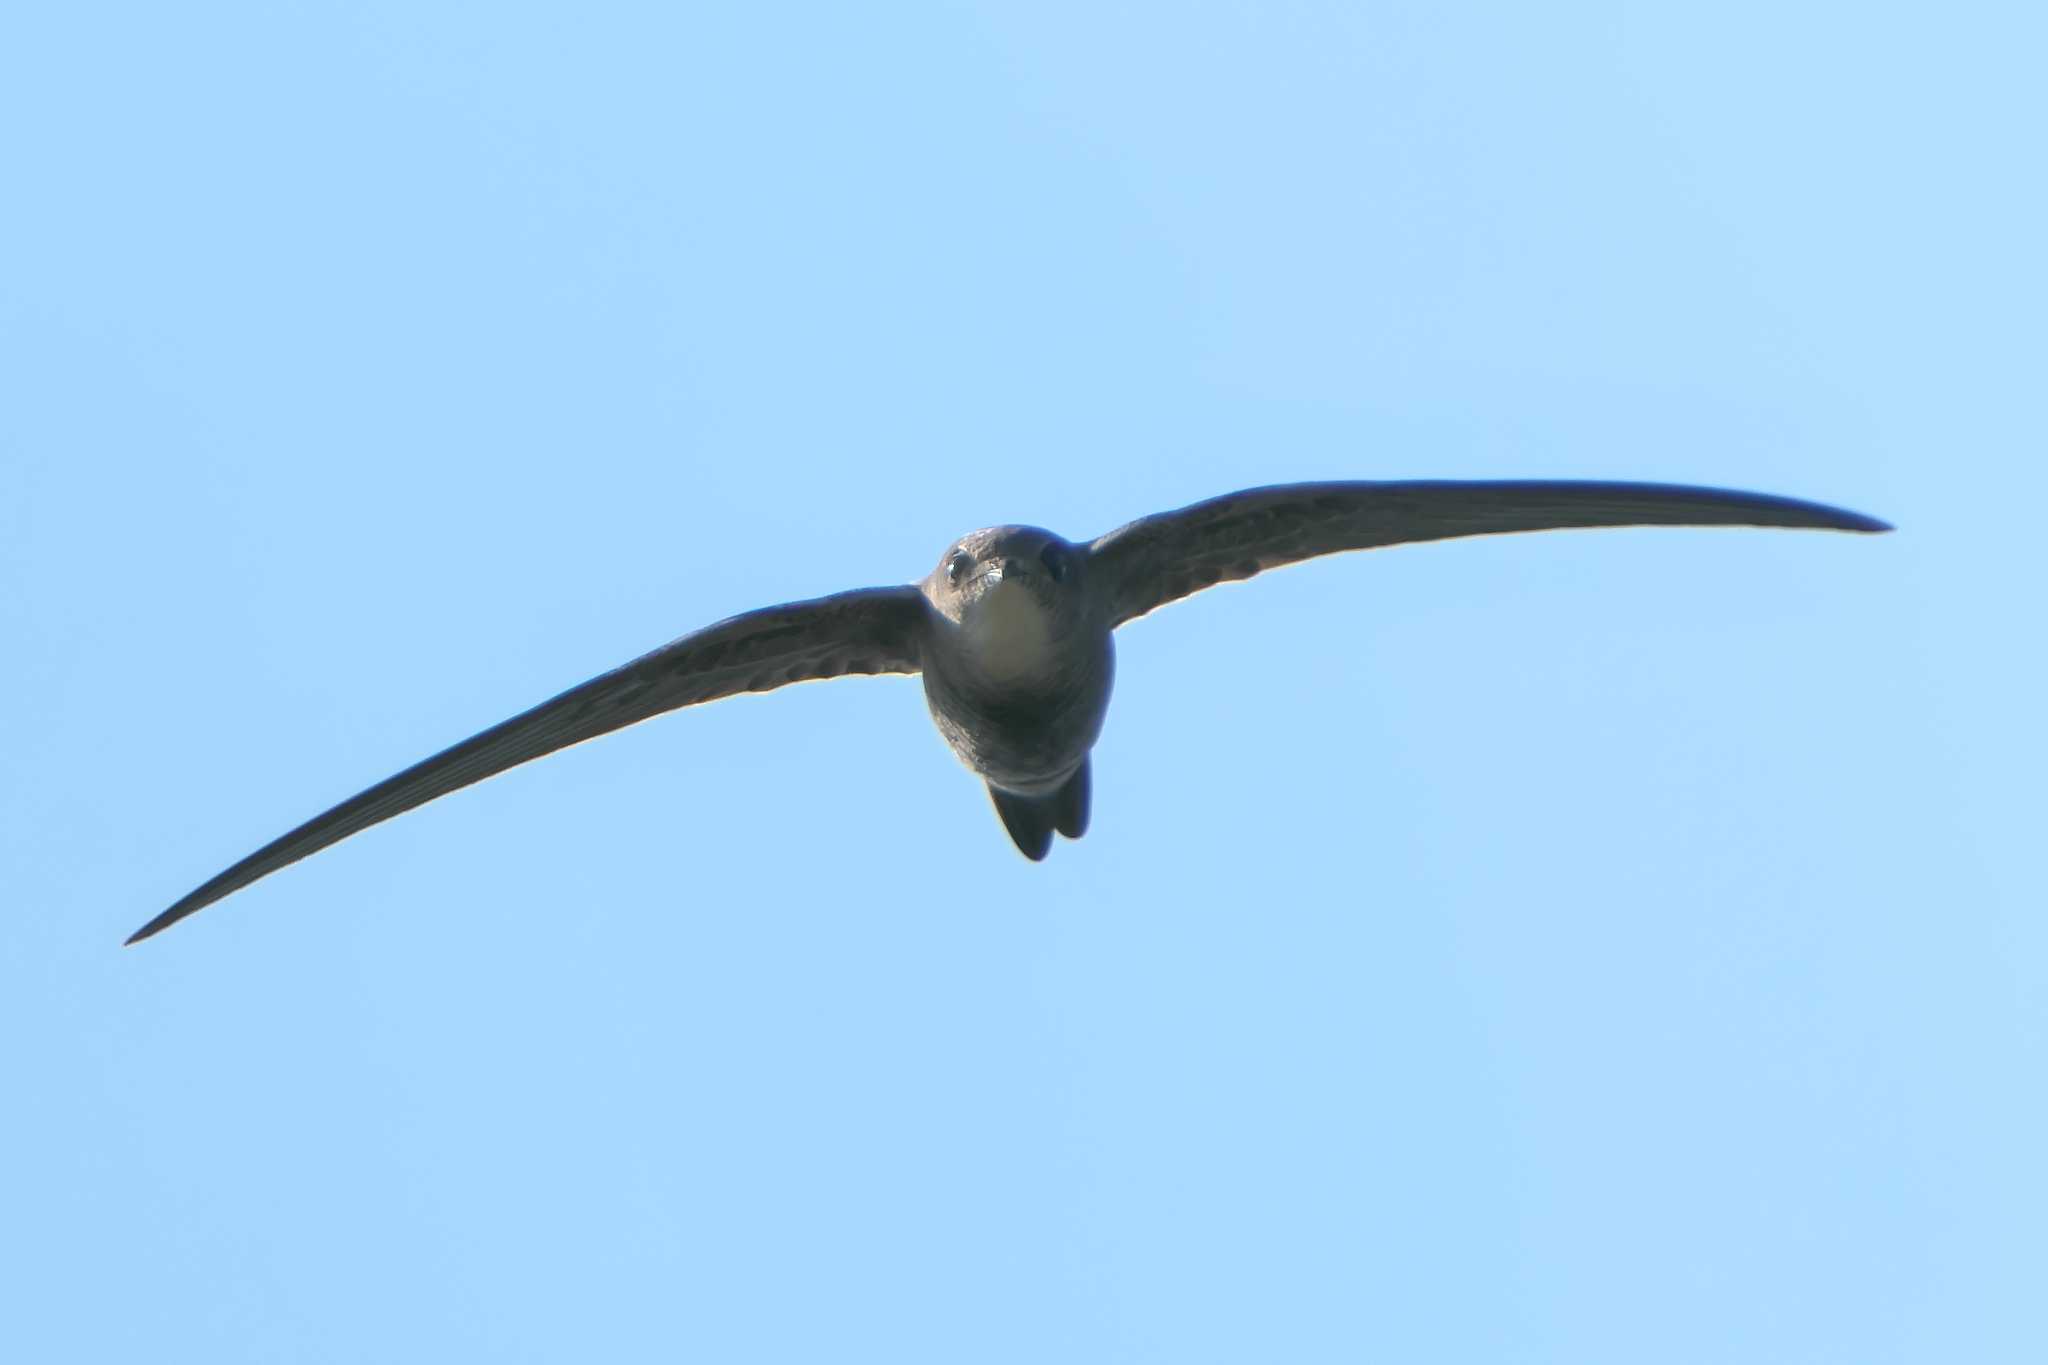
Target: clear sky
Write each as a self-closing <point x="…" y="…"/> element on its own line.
<point x="1605" y="947"/>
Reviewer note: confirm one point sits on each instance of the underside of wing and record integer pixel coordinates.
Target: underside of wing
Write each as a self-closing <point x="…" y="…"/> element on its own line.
<point x="876" y="630"/>
<point x="1158" y="559"/>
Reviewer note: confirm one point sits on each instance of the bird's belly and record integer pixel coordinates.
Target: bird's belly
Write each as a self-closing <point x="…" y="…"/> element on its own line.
<point x="1024" y="741"/>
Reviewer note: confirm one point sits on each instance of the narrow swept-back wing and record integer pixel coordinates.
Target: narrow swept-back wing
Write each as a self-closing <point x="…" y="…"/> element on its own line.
<point x="1157" y="559"/>
<point x="876" y="630"/>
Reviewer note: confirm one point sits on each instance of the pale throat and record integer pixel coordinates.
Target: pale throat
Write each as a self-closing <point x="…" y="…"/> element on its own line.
<point x="1008" y="633"/>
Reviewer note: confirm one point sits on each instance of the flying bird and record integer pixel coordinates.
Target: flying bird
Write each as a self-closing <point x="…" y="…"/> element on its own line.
<point x="1012" y="633"/>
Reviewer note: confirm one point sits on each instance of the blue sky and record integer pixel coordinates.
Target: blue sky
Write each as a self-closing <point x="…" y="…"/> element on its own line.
<point x="1596" y="947"/>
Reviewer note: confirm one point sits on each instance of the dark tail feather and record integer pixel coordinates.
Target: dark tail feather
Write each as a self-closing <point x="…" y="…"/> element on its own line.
<point x="1070" y="804"/>
<point x="1032" y="819"/>
<point x="1029" y="820"/>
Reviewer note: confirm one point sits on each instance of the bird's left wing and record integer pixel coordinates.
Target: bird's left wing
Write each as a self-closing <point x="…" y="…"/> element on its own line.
<point x="875" y="630"/>
<point x="1158" y="559"/>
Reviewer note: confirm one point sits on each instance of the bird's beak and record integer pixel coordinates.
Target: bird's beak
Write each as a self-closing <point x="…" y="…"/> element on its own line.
<point x="1005" y="576"/>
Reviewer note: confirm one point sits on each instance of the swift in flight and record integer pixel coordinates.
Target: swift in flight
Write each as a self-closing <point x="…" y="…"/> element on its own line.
<point x="1012" y="633"/>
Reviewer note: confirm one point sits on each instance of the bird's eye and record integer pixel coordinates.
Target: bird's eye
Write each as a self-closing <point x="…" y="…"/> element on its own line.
<point x="958" y="565"/>
<point x="1055" y="560"/>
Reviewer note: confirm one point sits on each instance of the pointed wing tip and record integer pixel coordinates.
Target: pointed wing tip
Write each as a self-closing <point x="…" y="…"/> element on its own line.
<point x="1856" y="521"/>
<point x="1823" y="516"/>
<point x="156" y="926"/>
<point x="1801" y="513"/>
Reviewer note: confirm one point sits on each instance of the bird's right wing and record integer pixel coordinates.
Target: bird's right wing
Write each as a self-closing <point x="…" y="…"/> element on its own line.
<point x="875" y="630"/>
<point x="1158" y="559"/>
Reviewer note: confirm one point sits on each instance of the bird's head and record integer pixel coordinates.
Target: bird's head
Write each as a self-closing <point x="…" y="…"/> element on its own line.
<point x="1013" y="591"/>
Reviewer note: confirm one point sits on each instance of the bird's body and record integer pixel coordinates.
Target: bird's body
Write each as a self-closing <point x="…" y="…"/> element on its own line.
<point x="1017" y="663"/>
<point x="1013" y="635"/>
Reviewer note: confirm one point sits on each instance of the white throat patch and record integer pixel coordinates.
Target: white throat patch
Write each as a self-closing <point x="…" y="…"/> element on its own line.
<point x="1009" y="634"/>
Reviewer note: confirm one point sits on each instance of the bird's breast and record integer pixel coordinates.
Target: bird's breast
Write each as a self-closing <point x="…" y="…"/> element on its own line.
<point x="1020" y="706"/>
<point x="1008" y="637"/>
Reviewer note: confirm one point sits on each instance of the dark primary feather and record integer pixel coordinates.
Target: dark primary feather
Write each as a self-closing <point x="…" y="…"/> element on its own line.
<point x="1157" y="559"/>
<point x="876" y="630"/>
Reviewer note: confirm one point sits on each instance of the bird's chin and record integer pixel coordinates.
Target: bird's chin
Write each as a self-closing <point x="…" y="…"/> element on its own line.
<point x="1009" y="632"/>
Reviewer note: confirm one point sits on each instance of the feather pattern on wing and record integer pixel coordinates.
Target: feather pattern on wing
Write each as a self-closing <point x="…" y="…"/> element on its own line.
<point x="1157" y="559"/>
<point x="875" y="630"/>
